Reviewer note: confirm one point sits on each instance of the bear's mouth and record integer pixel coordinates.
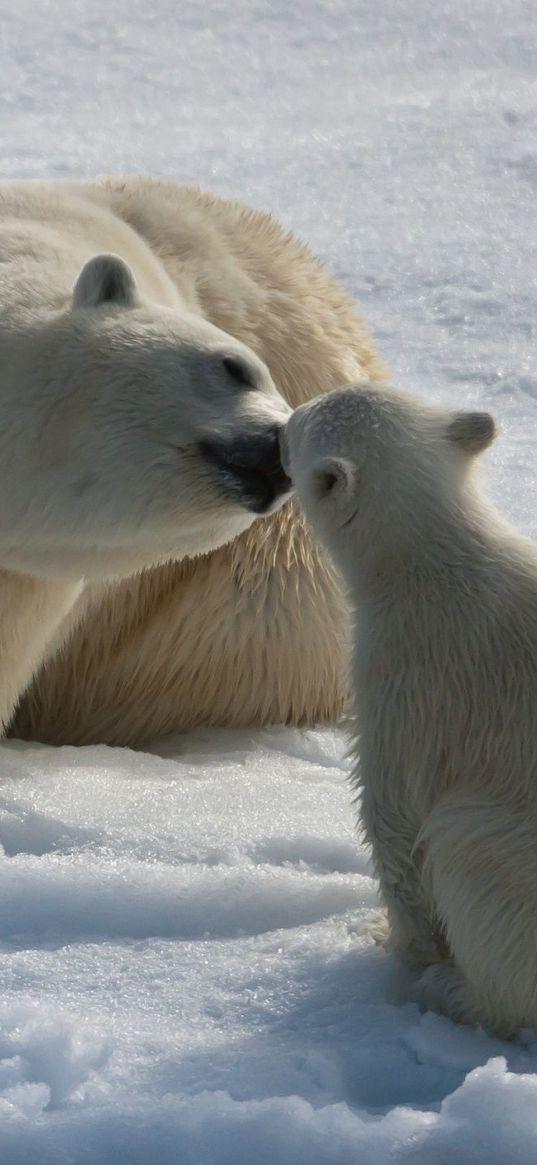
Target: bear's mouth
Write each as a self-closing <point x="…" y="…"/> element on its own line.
<point x="249" y="470"/>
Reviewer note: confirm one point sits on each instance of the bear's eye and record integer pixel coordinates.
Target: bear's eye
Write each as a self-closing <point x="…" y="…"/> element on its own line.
<point x="239" y="371"/>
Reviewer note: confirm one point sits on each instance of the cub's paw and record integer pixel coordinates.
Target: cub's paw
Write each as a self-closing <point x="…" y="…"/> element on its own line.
<point x="377" y="927"/>
<point x="442" y="988"/>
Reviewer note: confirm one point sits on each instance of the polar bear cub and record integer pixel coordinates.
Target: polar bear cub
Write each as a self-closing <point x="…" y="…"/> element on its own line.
<point x="445" y="680"/>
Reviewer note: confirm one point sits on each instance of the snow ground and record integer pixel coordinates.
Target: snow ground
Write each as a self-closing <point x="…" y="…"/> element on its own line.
<point x="183" y="978"/>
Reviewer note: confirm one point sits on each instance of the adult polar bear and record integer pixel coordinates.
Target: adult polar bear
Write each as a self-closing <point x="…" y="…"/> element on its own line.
<point x="251" y="633"/>
<point x="130" y="430"/>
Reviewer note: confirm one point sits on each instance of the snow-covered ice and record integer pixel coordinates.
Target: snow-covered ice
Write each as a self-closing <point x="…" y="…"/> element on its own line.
<point x="183" y="976"/>
<point x="184" y="979"/>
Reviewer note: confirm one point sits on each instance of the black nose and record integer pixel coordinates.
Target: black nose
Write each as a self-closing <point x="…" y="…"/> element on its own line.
<point x="249" y="467"/>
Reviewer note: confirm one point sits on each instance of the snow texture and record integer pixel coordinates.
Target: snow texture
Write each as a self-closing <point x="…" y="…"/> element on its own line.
<point x="184" y="979"/>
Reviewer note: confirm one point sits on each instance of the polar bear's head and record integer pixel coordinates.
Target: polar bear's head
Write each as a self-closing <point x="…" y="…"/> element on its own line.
<point x="378" y="472"/>
<point x="130" y="433"/>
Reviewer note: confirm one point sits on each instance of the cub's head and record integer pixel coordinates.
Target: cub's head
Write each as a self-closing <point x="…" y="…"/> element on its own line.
<point x="377" y="471"/>
<point x="130" y="433"/>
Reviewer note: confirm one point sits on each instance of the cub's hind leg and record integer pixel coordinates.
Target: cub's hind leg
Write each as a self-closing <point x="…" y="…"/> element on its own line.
<point x="481" y="870"/>
<point x="406" y="925"/>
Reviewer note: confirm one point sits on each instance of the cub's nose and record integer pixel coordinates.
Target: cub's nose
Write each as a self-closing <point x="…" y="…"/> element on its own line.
<point x="249" y="467"/>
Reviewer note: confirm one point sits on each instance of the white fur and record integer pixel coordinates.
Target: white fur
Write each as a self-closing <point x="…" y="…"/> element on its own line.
<point x="252" y="633"/>
<point x="445" y="682"/>
<point x="108" y="384"/>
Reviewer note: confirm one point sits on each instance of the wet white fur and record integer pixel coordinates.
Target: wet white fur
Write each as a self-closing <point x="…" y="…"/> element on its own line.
<point x="445" y="684"/>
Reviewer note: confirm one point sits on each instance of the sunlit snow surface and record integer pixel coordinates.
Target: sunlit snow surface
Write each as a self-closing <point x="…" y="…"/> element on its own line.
<point x="184" y="979"/>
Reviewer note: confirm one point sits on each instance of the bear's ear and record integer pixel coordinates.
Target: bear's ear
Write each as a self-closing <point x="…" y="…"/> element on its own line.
<point x="333" y="477"/>
<point x="105" y="279"/>
<point x="472" y="432"/>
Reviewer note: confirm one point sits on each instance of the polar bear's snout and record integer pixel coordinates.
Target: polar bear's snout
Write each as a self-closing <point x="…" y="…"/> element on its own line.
<point x="249" y="467"/>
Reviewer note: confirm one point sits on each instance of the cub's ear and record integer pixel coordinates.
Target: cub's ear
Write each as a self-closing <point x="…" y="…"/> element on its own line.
<point x="333" y="477"/>
<point x="105" y="279"/>
<point x="472" y="432"/>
